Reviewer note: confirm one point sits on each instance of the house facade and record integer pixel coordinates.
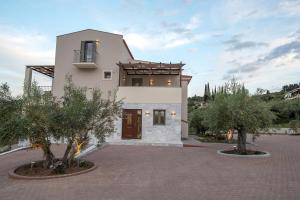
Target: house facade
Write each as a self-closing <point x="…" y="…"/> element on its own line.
<point x="154" y="94"/>
<point x="293" y="94"/>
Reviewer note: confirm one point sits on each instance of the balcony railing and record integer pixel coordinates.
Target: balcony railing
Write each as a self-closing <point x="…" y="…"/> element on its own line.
<point x="45" y="89"/>
<point x="83" y="59"/>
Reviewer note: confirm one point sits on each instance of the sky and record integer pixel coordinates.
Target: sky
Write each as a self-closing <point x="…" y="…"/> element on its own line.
<point x="255" y="41"/>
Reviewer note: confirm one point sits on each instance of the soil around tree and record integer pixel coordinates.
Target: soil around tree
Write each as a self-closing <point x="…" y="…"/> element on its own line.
<point x="36" y="171"/>
<point x="248" y="153"/>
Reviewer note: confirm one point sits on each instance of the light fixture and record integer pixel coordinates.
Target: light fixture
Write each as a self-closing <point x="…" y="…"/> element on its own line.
<point x="147" y="113"/>
<point x="169" y="82"/>
<point x="151" y="81"/>
<point x="173" y="113"/>
<point x="124" y="77"/>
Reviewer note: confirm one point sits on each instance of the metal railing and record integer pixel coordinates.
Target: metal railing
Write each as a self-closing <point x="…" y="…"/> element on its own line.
<point x="84" y="57"/>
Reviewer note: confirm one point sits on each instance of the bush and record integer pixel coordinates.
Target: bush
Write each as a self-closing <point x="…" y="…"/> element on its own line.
<point x="197" y="121"/>
<point x="295" y="125"/>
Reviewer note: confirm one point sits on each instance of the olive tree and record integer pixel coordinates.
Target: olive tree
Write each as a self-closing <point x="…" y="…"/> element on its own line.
<point x="236" y="109"/>
<point x="84" y="113"/>
<point x="39" y="112"/>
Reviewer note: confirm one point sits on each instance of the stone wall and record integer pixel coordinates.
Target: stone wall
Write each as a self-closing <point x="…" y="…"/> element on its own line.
<point x="170" y="133"/>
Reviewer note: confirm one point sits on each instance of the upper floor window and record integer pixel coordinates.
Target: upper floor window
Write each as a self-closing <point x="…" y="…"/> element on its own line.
<point x="87" y="51"/>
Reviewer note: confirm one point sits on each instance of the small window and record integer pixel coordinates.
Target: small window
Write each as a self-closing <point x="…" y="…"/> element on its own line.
<point x="159" y="117"/>
<point x="107" y="75"/>
<point x="137" y="81"/>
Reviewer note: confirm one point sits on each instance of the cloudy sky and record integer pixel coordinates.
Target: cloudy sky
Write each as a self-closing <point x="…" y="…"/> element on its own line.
<point x="256" y="41"/>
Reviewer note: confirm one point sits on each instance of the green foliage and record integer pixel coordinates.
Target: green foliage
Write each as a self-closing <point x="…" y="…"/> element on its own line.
<point x="236" y="109"/>
<point x="194" y="103"/>
<point x="290" y="87"/>
<point x="10" y="117"/>
<point x="80" y="116"/>
<point x="40" y="117"/>
<point x="39" y="113"/>
<point x="285" y="110"/>
<point x="207" y="95"/>
<point x="295" y="126"/>
<point x="197" y="121"/>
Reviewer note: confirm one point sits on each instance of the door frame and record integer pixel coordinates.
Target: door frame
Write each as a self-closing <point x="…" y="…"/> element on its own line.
<point x="139" y="134"/>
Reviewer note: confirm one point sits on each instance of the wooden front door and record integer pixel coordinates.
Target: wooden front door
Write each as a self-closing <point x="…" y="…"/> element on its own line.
<point x="132" y="124"/>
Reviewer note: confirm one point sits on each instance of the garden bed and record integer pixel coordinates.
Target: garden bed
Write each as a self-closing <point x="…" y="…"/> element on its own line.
<point x="36" y="170"/>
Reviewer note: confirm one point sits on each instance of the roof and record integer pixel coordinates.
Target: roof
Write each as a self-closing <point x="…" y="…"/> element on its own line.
<point x="88" y="30"/>
<point x="294" y="90"/>
<point x="124" y="42"/>
<point x="47" y="70"/>
<point x="128" y="49"/>
<point x="186" y="78"/>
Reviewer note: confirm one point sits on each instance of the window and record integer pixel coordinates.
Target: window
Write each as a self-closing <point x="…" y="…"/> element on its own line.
<point x="107" y="75"/>
<point x="159" y="117"/>
<point x="88" y="49"/>
<point x="137" y="81"/>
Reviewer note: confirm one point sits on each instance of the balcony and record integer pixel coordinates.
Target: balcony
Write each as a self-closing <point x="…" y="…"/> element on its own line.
<point x="85" y="59"/>
<point x="149" y="94"/>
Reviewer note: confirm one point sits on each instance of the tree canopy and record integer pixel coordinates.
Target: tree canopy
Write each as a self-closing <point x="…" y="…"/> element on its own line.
<point x="236" y="109"/>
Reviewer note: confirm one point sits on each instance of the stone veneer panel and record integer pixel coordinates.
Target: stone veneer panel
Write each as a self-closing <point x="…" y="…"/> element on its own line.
<point x="170" y="133"/>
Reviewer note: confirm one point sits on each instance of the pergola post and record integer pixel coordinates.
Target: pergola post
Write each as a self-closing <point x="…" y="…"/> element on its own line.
<point x="28" y="79"/>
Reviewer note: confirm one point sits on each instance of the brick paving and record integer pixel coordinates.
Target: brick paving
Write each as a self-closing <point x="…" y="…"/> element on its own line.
<point x="145" y="172"/>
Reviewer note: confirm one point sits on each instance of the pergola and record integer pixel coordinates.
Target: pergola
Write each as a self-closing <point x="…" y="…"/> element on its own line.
<point x="151" y="68"/>
<point x="47" y="70"/>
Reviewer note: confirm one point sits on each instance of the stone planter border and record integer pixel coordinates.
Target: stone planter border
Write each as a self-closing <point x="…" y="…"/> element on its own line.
<point x="267" y="154"/>
<point x="13" y="175"/>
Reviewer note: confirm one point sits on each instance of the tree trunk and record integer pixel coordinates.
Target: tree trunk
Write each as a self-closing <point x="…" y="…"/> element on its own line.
<point x="49" y="156"/>
<point x="241" y="143"/>
<point x="66" y="154"/>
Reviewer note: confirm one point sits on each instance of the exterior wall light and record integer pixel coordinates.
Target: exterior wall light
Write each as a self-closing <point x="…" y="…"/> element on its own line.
<point x="169" y="82"/>
<point x="173" y="113"/>
<point x="151" y="82"/>
<point x="147" y="113"/>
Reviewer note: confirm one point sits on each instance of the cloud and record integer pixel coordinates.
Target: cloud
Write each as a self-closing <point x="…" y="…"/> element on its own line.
<point x="282" y="50"/>
<point x="169" y="35"/>
<point x="290" y="7"/>
<point x="280" y="60"/>
<point x="235" y="44"/>
<point x="20" y="47"/>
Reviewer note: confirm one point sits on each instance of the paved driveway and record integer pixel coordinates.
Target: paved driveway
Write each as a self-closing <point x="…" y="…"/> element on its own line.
<point x="143" y="172"/>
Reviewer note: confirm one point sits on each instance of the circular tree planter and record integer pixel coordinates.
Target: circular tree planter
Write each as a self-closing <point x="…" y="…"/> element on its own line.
<point x="251" y="153"/>
<point x="20" y="172"/>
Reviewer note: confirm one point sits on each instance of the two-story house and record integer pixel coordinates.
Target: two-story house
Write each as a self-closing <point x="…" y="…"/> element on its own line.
<point x="154" y="94"/>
